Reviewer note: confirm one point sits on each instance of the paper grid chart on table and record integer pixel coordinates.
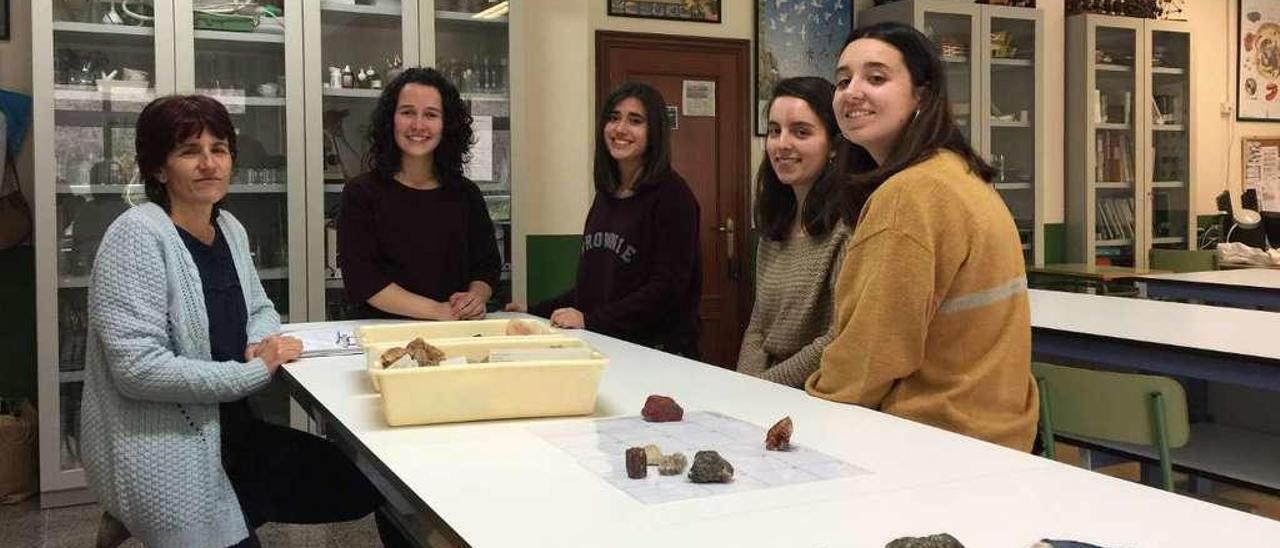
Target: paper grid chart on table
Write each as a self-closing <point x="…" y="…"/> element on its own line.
<point x="600" y="447"/>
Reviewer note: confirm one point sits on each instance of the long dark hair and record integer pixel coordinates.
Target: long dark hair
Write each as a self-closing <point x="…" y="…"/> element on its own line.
<point x="776" y="202"/>
<point x="932" y="129"/>
<point x="383" y="157"/>
<point x="164" y="124"/>
<point x="657" y="152"/>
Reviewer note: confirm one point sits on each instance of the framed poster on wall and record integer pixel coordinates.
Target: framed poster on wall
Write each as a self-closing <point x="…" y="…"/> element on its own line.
<point x="1258" y="61"/>
<point x="797" y="38"/>
<point x="4" y="20"/>
<point x="698" y="11"/>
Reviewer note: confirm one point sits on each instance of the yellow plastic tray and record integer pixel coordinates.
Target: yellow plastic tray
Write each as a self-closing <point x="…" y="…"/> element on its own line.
<point x="484" y="391"/>
<point x="404" y="332"/>
<point x="473" y="348"/>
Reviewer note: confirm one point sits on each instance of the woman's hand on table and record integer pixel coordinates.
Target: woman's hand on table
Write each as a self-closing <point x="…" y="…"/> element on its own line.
<point x="467" y="305"/>
<point x="275" y="351"/>
<point x="516" y="307"/>
<point x="568" y="318"/>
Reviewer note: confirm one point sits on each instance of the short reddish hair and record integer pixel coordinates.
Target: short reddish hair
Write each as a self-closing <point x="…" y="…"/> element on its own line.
<point x="168" y="121"/>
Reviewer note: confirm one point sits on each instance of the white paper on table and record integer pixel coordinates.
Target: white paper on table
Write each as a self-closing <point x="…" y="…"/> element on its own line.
<point x="480" y="168"/>
<point x="326" y="341"/>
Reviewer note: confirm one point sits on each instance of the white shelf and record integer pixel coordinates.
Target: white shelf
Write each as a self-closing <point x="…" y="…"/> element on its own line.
<point x="333" y="283"/>
<point x="334" y="187"/>
<point x="72" y="282"/>
<point x="1113" y="185"/>
<point x="273" y="273"/>
<point x="1119" y="242"/>
<point x="955" y="60"/>
<point x="363" y="93"/>
<point x="1026" y="247"/>
<point x="1168" y="70"/>
<point x="486" y="97"/>
<point x="1012" y="186"/>
<point x="1168" y="127"/>
<point x="1111" y="126"/>
<point x="98" y="28"/>
<point x="1113" y="68"/>
<point x="229" y="36"/>
<point x="239" y="100"/>
<point x="1007" y="123"/>
<point x="141" y="96"/>
<point x="463" y="17"/>
<point x="1169" y="240"/>
<point x="234" y="188"/>
<point x="1010" y="62"/>
<point x="1168" y="184"/>
<point x="382" y="10"/>
<point x="71" y="376"/>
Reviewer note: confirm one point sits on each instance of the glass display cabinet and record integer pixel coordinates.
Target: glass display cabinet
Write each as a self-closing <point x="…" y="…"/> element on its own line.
<point x="1129" y="158"/>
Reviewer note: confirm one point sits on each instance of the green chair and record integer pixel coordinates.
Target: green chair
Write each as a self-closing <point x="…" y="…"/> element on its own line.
<point x="553" y="264"/>
<point x="1183" y="260"/>
<point x="1116" y="407"/>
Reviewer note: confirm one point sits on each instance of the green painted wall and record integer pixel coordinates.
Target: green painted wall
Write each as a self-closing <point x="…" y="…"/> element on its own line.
<point x="553" y="264"/>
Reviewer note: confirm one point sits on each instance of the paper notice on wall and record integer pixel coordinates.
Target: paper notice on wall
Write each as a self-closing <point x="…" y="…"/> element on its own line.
<point x="480" y="168"/>
<point x="699" y="97"/>
<point x="1262" y="173"/>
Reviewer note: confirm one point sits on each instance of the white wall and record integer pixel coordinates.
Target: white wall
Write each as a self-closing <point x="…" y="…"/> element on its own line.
<point x="15" y="75"/>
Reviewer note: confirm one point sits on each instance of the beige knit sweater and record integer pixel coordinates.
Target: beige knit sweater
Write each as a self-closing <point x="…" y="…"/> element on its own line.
<point x="932" y="319"/>
<point x="795" y="282"/>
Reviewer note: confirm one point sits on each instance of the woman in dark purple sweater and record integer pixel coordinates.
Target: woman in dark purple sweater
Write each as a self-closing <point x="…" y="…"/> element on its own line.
<point x="414" y="236"/>
<point x="639" y="274"/>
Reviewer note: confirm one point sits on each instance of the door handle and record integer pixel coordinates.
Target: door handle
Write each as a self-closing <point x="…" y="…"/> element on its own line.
<point x="728" y="229"/>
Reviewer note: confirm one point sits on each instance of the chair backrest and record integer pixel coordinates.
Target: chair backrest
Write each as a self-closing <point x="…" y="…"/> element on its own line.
<point x="552" y="264"/>
<point x="1113" y="406"/>
<point x="1184" y="260"/>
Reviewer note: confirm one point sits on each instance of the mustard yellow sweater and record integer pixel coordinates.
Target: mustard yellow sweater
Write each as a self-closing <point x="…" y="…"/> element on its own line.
<point x="932" y="320"/>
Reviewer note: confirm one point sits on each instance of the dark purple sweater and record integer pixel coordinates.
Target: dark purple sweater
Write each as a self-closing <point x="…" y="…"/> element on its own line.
<point x="639" y="274"/>
<point x="430" y="242"/>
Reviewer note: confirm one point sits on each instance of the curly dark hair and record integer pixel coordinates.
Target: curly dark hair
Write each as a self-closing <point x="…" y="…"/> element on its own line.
<point x="383" y="157"/>
<point x="164" y="124"/>
<point x="776" y="202"/>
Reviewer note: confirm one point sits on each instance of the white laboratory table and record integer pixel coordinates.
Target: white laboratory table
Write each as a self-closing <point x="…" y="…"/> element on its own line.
<point x="1203" y="342"/>
<point x="497" y="484"/>
<point x="1244" y="288"/>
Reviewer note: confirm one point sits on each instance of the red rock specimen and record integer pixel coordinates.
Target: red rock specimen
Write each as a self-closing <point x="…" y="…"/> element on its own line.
<point x="779" y="436"/>
<point x="423" y="353"/>
<point x="661" y="409"/>
<point x="637" y="464"/>
<point x="710" y="467"/>
<point x="391" y="355"/>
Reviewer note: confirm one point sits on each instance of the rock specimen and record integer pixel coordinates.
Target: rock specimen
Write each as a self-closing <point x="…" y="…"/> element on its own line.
<point x="932" y="541"/>
<point x="423" y="353"/>
<point x="710" y="467"/>
<point x="523" y="327"/>
<point x="652" y="454"/>
<point x="661" y="409"/>
<point x="779" y="436"/>
<point x="673" y="464"/>
<point x="637" y="465"/>
<point x="392" y="355"/>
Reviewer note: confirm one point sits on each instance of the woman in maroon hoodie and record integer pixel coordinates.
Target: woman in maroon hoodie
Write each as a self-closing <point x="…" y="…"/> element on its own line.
<point x="639" y="274"/>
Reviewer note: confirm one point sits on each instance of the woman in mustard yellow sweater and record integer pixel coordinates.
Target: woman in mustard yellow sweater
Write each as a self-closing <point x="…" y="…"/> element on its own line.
<point x="932" y="321"/>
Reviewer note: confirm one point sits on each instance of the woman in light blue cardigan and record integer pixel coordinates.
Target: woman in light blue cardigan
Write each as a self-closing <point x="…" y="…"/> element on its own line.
<point x="180" y="332"/>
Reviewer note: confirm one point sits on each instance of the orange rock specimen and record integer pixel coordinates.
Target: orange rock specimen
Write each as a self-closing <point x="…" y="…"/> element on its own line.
<point x="779" y="436"/>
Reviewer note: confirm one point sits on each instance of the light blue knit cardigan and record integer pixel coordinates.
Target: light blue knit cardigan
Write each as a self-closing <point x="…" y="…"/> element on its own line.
<point x="150" y="437"/>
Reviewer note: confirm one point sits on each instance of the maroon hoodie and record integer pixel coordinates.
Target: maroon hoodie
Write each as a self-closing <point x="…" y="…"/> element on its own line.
<point x="639" y="274"/>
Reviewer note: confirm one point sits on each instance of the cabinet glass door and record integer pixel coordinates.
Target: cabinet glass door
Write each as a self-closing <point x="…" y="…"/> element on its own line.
<point x="472" y="45"/>
<point x="240" y="61"/>
<point x="104" y="72"/>
<point x="1011" y="132"/>
<point x="1170" y="140"/>
<point x="955" y="35"/>
<point x="1116" y="171"/>
<point x="361" y="47"/>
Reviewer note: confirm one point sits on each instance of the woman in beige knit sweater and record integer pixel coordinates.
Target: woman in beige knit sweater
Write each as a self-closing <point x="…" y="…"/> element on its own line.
<point x="932" y="321"/>
<point x="802" y="236"/>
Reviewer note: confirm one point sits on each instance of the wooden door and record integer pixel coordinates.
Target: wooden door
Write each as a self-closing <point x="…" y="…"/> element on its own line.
<point x="709" y="151"/>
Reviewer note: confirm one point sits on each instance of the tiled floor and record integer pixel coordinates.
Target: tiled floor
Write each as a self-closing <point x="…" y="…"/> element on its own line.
<point x="26" y="526"/>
